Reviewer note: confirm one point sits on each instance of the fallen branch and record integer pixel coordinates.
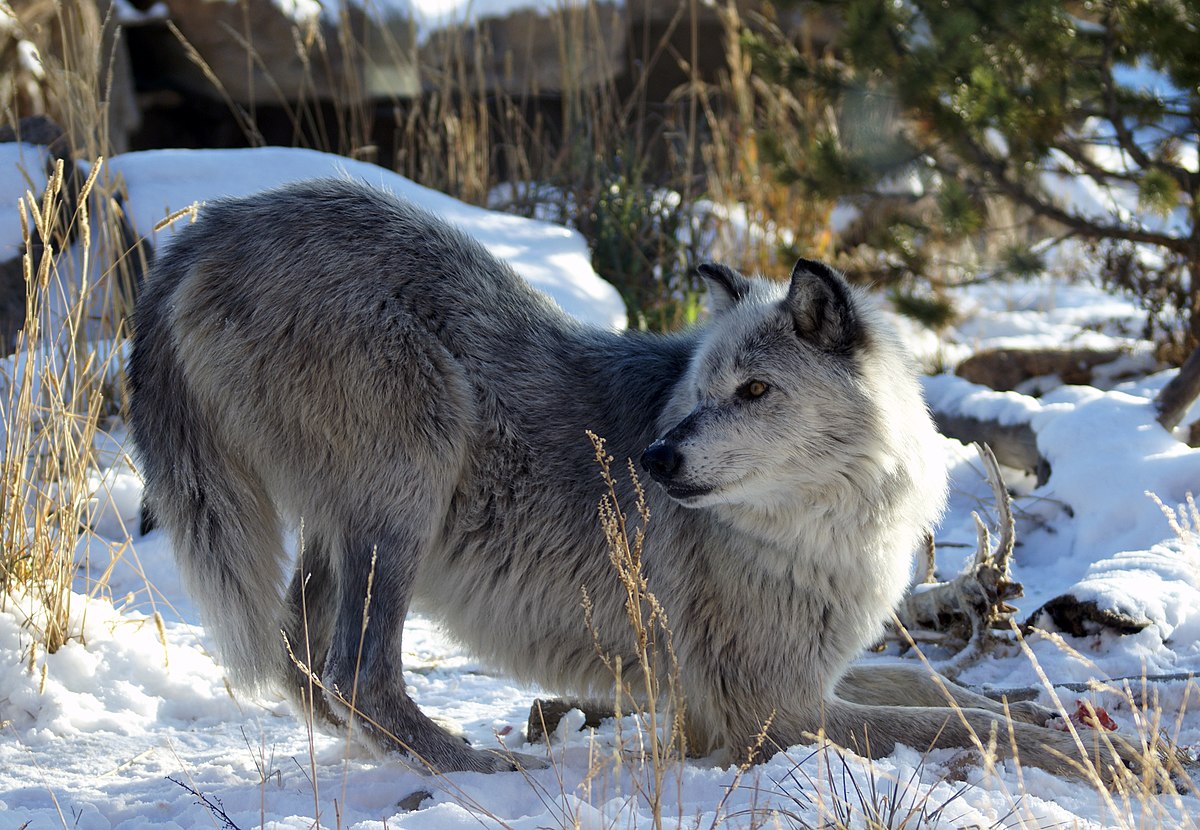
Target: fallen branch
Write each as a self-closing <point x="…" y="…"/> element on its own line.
<point x="1138" y="687"/>
<point x="1176" y="397"/>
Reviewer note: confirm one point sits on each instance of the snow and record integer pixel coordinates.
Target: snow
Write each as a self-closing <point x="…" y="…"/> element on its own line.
<point x="429" y="16"/>
<point x="552" y="258"/>
<point x="426" y="16"/>
<point x="22" y="166"/>
<point x="132" y="725"/>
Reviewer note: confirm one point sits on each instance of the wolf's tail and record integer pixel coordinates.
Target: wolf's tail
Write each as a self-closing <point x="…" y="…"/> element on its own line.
<point x="222" y="523"/>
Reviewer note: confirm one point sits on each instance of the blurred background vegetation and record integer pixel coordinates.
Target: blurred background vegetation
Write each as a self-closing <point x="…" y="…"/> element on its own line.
<point x="919" y="145"/>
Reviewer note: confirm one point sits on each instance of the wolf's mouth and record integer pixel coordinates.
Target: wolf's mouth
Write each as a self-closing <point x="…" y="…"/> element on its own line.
<point x="683" y="492"/>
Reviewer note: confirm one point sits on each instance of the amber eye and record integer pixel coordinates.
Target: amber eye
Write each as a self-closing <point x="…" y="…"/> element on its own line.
<point x="753" y="389"/>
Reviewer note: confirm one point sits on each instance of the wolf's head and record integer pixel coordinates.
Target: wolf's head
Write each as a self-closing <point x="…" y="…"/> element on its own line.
<point x="794" y="392"/>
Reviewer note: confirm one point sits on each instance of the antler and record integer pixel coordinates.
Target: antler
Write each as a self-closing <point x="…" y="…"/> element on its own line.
<point x="963" y="613"/>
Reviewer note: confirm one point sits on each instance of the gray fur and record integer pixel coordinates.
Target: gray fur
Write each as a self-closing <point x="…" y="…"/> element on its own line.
<point x="324" y="352"/>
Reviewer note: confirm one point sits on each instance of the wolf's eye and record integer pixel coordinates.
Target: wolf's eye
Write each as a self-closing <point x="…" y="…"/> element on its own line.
<point x="753" y="389"/>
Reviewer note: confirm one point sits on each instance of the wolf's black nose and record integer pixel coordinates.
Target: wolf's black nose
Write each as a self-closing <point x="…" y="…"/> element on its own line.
<point x="660" y="460"/>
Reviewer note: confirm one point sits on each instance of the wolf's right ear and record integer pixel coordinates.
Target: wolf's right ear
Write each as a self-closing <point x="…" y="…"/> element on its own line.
<point x="823" y="308"/>
<point x="726" y="287"/>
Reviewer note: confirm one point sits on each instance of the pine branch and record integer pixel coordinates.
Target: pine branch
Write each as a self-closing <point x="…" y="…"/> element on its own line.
<point x="997" y="170"/>
<point x="1076" y="151"/>
<point x="1125" y="138"/>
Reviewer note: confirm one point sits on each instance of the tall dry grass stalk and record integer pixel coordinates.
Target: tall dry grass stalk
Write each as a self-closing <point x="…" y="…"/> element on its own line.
<point x="57" y="388"/>
<point x="661" y="741"/>
<point x="79" y="270"/>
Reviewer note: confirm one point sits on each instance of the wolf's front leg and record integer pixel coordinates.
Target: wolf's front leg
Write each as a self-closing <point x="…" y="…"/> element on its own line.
<point x="898" y="685"/>
<point x="876" y="730"/>
<point x="363" y="677"/>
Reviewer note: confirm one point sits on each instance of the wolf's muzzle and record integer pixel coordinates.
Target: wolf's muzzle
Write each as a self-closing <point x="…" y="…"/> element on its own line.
<point x="661" y="461"/>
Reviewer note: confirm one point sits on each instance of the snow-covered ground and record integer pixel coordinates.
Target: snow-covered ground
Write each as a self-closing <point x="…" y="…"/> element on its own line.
<point x="132" y="724"/>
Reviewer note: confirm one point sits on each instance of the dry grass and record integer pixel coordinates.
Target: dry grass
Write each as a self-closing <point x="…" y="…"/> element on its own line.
<point x="58" y="388"/>
<point x="63" y="381"/>
<point x="1184" y="519"/>
<point x="660" y="745"/>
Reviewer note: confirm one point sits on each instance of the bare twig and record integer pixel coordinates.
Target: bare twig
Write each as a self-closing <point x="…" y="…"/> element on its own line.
<point x="213" y="805"/>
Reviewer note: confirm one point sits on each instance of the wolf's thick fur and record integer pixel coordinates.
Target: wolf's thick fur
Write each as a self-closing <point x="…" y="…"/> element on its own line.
<point x="326" y="353"/>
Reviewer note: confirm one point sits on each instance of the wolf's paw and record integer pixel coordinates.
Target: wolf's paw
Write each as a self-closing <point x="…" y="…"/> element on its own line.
<point x="518" y="761"/>
<point x="1107" y="758"/>
<point x="430" y="749"/>
<point x="1028" y="711"/>
<point x="466" y="759"/>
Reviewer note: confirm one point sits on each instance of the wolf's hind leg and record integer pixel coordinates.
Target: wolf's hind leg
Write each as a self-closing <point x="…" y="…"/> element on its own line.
<point x="893" y="685"/>
<point x="876" y="730"/>
<point x="309" y="614"/>
<point x="363" y="675"/>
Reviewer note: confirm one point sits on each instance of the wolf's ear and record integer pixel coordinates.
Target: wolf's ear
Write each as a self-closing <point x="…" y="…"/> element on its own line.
<point x="822" y="308"/>
<point x="726" y="287"/>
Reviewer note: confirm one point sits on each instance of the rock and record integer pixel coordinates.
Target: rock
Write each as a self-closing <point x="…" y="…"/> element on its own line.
<point x="1081" y="618"/>
<point x="640" y="43"/>
<point x="522" y="52"/>
<point x="546" y="715"/>
<point x="1006" y="369"/>
<point x="1153" y="593"/>
<point x="412" y="802"/>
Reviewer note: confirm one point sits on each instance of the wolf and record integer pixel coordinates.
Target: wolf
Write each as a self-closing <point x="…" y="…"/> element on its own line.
<point x="328" y="357"/>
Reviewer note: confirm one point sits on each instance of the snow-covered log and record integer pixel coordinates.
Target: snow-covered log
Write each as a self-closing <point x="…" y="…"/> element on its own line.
<point x="1007" y="368"/>
<point x="975" y="414"/>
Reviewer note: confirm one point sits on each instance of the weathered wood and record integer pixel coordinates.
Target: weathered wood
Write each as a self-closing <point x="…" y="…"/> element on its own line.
<point x="1177" y="396"/>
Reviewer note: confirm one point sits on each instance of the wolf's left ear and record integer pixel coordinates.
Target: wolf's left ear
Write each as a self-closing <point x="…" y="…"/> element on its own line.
<point x="822" y="308"/>
<point x="726" y="287"/>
